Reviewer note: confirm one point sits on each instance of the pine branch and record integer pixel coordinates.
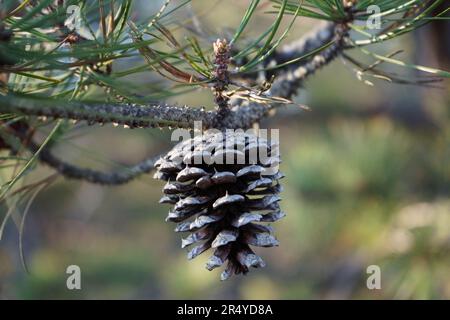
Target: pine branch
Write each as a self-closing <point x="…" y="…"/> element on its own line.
<point x="68" y="170"/>
<point x="313" y="40"/>
<point x="287" y="83"/>
<point x="246" y="113"/>
<point x="242" y="115"/>
<point x="129" y="115"/>
<point x="126" y="114"/>
<point x="294" y="53"/>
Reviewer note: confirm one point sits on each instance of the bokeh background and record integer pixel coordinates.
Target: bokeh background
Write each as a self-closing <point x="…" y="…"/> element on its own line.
<point x="367" y="183"/>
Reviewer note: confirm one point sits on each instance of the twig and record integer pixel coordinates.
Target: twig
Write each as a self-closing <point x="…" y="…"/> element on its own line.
<point x="107" y="178"/>
<point x="295" y="53"/>
<point x="246" y="113"/>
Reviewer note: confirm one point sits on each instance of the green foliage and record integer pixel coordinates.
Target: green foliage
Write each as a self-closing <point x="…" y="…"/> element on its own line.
<point x="46" y="64"/>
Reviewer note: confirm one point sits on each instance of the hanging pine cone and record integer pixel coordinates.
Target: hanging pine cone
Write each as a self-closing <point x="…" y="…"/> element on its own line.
<point x="221" y="188"/>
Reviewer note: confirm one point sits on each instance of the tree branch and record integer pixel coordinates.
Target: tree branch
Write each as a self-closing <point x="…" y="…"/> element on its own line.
<point x="131" y="115"/>
<point x="294" y="53"/>
<point x="242" y="115"/>
<point x="290" y="80"/>
<point x="94" y="176"/>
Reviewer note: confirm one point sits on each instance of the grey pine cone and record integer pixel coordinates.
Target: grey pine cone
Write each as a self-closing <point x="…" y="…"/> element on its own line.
<point x="221" y="187"/>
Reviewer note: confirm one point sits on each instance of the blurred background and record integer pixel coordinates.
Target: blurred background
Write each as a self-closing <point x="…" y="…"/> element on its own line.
<point x="367" y="183"/>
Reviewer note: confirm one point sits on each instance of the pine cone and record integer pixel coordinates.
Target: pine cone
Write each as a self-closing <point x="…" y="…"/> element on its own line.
<point x="221" y="187"/>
